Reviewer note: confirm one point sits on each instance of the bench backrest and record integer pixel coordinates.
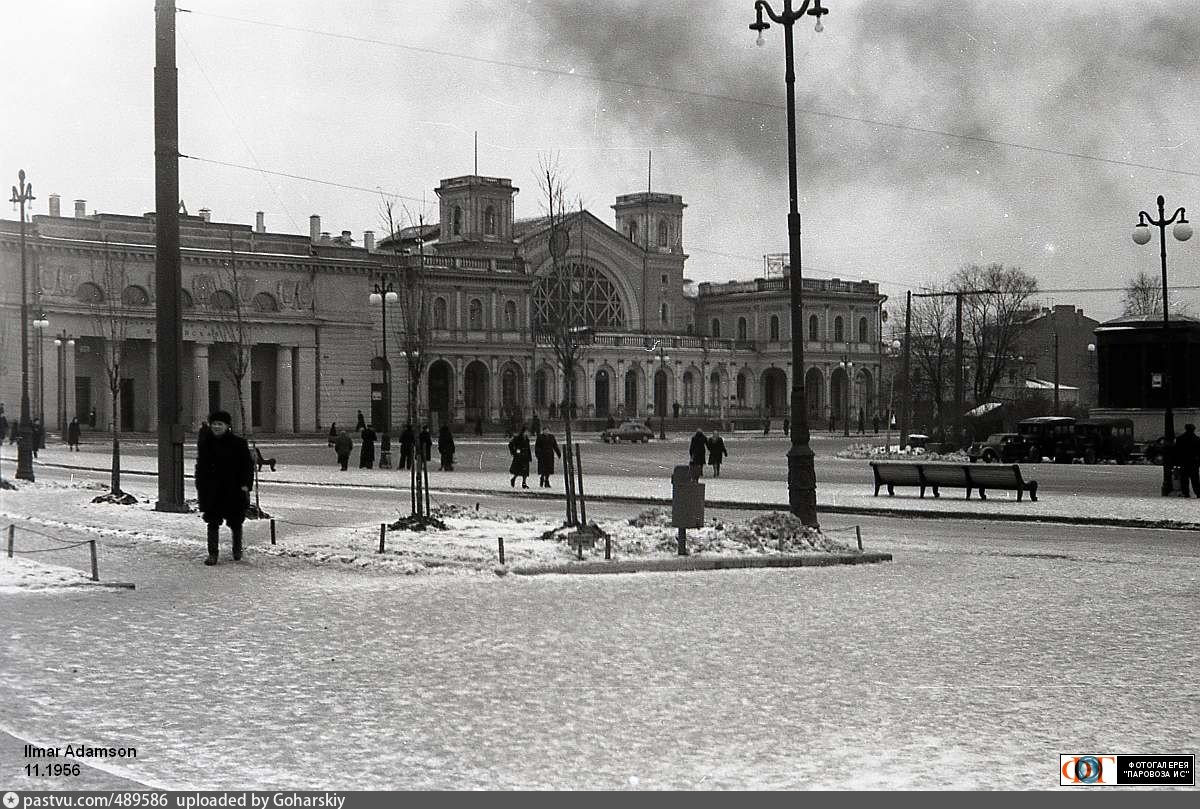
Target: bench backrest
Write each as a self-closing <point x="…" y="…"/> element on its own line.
<point x="989" y="475"/>
<point x="944" y="474"/>
<point x="897" y="472"/>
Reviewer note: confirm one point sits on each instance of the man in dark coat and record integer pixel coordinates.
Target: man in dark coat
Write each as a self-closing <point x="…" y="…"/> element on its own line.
<point x="518" y="447"/>
<point x="224" y="477"/>
<point x="787" y="425"/>
<point x="408" y="440"/>
<point x="366" y="455"/>
<point x="675" y="409"/>
<point x="343" y="446"/>
<point x="73" y="434"/>
<point x="696" y="450"/>
<point x="362" y="422"/>
<point x="446" y="448"/>
<point x="39" y="436"/>
<point x="425" y="443"/>
<point x="716" y="452"/>
<point x="1187" y="455"/>
<point x="333" y="434"/>
<point x="546" y="449"/>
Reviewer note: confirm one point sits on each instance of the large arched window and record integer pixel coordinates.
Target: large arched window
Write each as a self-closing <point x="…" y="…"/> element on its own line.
<point x="716" y="327"/>
<point x="90" y="293"/>
<point x="578" y="295"/>
<point x="222" y="301"/>
<point x="510" y="315"/>
<point x="489" y="221"/>
<point x="633" y="231"/>
<point x="742" y="327"/>
<point x="456" y="221"/>
<point x="814" y="328"/>
<point x="265" y="302"/>
<point x="475" y="314"/>
<point x="664" y="233"/>
<point x="135" y="296"/>
<point x="862" y="330"/>
<point x="774" y="328"/>
<point x="439" y="313"/>
<point x="838" y="330"/>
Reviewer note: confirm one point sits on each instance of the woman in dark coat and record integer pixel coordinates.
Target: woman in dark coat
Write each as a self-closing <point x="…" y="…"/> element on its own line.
<point x="518" y="447"/>
<point x="333" y="434"/>
<point x="446" y="448"/>
<point x="425" y="443"/>
<point x="224" y="477"/>
<point x="716" y="453"/>
<point x="73" y="434"/>
<point x="546" y="448"/>
<point x="343" y="446"/>
<point x="696" y="450"/>
<point x="366" y="456"/>
<point x="408" y="439"/>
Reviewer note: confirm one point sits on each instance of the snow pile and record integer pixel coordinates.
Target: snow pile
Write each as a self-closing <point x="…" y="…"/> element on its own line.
<point x="23" y="575"/>
<point x="894" y="453"/>
<point x="784" y="531"/>
<point x="650" y="532"/>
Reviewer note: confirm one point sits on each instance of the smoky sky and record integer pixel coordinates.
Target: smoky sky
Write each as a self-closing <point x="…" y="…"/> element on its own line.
<point x="1095" y="78"/>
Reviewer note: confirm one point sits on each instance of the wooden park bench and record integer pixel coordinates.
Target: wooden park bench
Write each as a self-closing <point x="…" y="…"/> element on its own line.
<point x="935" y="475"/>
<point x="260" y="460"/>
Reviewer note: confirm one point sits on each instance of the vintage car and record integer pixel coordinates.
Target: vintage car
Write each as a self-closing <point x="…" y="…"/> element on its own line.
<point x="999" y="448"/>
<point x="1104" y="439"/>
<point x="629" y="430"/>
<point x="1048" y="437"/>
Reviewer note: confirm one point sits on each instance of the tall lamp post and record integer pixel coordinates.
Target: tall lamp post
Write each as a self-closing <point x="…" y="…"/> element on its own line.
<point x="41" y="324"/>
<point x="892" y="351"/>
<point x="22" y="193"/>
<point x="63" y="342"/>
<point x="802" y="478"/>
<point x="383" y="294"/>
<point x="1141" y="235"/>
<point x="848" y="367"/>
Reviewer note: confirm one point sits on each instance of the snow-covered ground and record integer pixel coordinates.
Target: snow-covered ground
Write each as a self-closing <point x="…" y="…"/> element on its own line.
<point x="63" y="510"/>
<point x="25" y="574"/>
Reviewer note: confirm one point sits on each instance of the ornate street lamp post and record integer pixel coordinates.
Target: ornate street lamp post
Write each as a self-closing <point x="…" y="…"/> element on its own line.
<point x="63" y="342"/>
<point x="383" y="294"/>
<point x="41" y="324"/>
<point x="22" y="193"/>
<point x="848" y="367"/>
<point x="1141" y="235"/>
<point x="802" y="478"/>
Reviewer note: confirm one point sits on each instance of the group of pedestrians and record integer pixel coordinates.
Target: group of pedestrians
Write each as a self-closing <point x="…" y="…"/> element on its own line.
<point x="701" y="446"/>
<point x="414" y="446"/>
<point x="1187" y="458"/>
<point x="545" y="449"/>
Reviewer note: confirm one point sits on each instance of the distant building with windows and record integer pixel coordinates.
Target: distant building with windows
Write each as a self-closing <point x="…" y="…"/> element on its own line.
<point x="719" y="350"/>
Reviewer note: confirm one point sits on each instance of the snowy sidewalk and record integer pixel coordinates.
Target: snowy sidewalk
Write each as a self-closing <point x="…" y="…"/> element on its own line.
<point x="730" y="492"/>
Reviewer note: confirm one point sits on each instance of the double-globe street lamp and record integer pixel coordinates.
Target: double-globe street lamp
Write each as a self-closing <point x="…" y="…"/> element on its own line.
<point x="847" y="367"/>
<point x="383" y="294"/>
<point x="64" y="343"/>
<point x="1141" y="235"/>
<point x="22" y="193"/>
<point x="41" y="323"/>
<point x="802" y="479"/>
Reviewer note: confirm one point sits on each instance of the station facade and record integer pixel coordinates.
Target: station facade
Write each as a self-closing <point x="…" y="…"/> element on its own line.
<point x="718" y="350"/>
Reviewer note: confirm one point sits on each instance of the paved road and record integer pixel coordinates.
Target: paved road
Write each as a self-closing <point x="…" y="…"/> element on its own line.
<point x="752" y="457"/>
<point x="976" y="657"/>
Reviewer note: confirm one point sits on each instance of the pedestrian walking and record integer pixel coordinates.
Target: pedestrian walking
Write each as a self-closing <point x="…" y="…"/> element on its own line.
<point x="362" y="423"/>
<point x="425" y="444"/>
<point x="92" y="418"/>
<point x="696" y="450"/>
<point x="1187" y="454"/>
<point x="832" y="423"/>
<point x="343" y="446"/>
<point x="446" y="448"/>
<point x="333" y="433"/>
<point x="787" y="425"/>
<point x="408" y="440"/>
<point x="861" y="422"/>
<point x="545" y="447"/>
<point x="366" y="454"/>
<point x="73" y="435"/>
<point x="766" y="426"/>
<point x="518" y="447"/>
<point x="224" y="477"/>
<point x="39" y="436"/>
<point x="875" y="423"/>
<point x="716" y="452"/>
<point x="675" y="409"/>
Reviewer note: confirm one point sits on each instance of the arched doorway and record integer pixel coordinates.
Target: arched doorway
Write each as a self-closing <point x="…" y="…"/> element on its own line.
<point x="541" y="389"/>
<point x="475" y="391"/>
<point x="660" y="393"/>
<point x="602" y="396"/>
<point x="714" y="392"/>
<point x="814" y="395"/>
<point x="775" y="392"/>
<point x="631" y="393"/>
<point x="512" y="403"/>
<point x="441" y="377"/>
<point x="838" y="391"/>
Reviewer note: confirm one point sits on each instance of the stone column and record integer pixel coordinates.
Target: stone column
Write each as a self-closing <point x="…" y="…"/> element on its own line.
<point x="494" y="390"/>
<point x="284" y="403"/>
<point x="199" y="383"/>
<point x="304" y="389"/>
<point x="247" y="393"/>
<point x="152" y="383"/>
<point x="69" y="401"/>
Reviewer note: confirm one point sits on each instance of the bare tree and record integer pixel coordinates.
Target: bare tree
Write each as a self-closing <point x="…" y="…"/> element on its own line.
<point x="412" y="329"/>
<point x="992" y="322"/>
<point x="561" y="321"/>
<point x="932" y="347"/>
<point x="110" y="312"/>
<point x="1143" y="296"/>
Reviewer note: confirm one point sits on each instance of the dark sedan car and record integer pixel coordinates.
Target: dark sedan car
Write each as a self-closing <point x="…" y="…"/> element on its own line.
<point x="999" y="447"/>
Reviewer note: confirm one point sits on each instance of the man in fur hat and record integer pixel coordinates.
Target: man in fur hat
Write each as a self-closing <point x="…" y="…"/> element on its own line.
<point x="224" y="477"/>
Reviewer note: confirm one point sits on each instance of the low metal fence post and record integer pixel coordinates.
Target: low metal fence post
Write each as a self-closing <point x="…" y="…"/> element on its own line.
<point x="95" y="567"/>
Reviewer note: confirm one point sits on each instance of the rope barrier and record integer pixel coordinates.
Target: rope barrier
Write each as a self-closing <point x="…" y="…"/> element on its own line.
<point x="59" y="548"/>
